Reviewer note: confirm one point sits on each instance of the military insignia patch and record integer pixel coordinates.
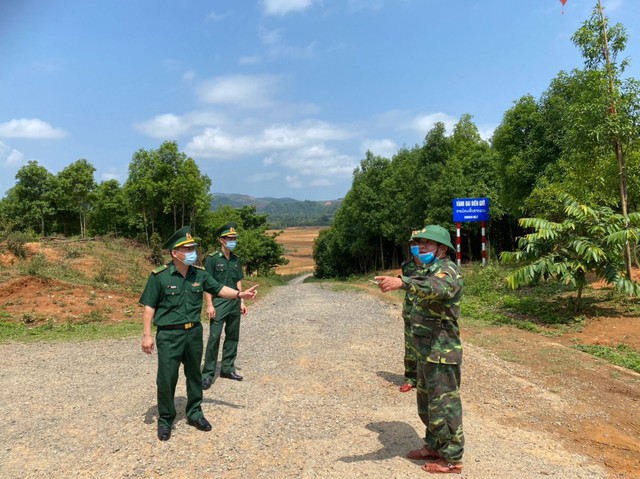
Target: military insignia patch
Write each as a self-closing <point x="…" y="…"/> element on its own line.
<point x="195" y="284"/>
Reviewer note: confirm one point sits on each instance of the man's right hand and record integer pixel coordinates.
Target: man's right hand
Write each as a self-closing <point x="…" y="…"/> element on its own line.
<point x="211" y="311"/>
<point x="147" y="344"/>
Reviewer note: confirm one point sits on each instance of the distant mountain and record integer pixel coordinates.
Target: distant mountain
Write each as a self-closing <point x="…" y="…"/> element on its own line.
<point x="282" y="212"/>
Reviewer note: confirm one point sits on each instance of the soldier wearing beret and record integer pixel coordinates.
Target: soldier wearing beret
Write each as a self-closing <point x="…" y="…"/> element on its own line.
<point x="226" y="268"/>
<point x="172" y="300"/>
<point x="437" y="289"/>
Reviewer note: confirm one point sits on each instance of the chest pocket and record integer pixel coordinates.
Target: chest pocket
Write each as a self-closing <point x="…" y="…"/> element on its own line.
<point x="173" y="296"/>
<point x="195" y="293"/>
<point x="221" y="268"/>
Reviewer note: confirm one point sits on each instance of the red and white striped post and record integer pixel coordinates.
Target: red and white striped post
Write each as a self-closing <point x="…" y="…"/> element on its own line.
<point x="458" y="254"/>
<point x="484" y="240"/>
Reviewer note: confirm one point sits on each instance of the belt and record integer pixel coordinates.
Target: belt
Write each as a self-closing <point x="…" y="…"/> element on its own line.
<point x="177" y="326"/>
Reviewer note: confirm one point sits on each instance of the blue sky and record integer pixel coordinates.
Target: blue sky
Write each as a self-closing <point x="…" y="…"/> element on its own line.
<point x="272" y="97"/>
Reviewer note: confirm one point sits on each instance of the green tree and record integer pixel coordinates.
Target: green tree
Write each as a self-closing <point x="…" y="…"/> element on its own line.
<point x="76" y="188"/>
<point x="588" y="240"/>
<point x="32" y="197"/>
<point x="109" y="213"/>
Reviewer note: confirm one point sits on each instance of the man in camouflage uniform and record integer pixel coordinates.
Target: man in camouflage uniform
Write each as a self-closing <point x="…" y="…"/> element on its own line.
<point x="437" y="290"/>
<point x="409" y="268"/>
<point x="172" y="300"/>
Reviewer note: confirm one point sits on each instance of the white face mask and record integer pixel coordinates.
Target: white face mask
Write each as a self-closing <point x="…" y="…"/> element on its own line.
<point x="231" y="245"/>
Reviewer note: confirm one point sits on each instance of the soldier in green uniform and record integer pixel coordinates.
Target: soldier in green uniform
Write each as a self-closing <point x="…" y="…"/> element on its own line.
<point x="409" y="268"/>
<point x="172" y="300"/>
<point x="226" y="268"/>
<point x="437" y="290"/>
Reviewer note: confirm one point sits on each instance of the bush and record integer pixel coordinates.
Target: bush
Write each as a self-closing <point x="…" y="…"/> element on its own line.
<point x="16" y="241"/>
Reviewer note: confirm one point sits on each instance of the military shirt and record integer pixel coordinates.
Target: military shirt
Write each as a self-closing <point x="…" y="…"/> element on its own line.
<point x="177" y="299"/>
<point x="409" y="269"/>
<point x="437" y="291"/>
<point x="228" y="272"/>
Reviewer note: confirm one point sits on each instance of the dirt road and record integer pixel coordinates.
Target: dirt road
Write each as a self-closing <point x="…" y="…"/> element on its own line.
<point x="320" y="399"/>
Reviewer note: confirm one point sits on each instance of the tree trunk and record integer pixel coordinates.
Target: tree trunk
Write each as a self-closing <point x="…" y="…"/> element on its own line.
<point x="381" y="254"/>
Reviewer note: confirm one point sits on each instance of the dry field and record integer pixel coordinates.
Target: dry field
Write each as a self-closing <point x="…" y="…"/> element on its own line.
<point x="298" y="246"/>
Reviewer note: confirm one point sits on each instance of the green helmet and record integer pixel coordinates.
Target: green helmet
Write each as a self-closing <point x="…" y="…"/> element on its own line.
<point x="435" y="233"/>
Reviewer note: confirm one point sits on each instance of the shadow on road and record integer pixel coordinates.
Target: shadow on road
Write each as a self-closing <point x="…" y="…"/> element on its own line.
<point x="397" y="439"/>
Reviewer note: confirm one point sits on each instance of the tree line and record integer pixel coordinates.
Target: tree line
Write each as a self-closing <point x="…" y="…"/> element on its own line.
<point x="579" y="140"/>
<point x="164" y="191"/>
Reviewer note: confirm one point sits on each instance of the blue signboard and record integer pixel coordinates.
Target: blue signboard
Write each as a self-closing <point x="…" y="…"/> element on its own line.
<point x="470" y="209"/>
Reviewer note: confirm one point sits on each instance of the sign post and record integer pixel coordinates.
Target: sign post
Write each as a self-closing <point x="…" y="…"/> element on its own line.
<point x="467" y="210"/>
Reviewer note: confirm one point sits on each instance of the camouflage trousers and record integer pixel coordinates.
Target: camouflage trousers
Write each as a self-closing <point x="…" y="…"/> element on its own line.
<point x="410" y="361"/>
<point x="440" y="408"/>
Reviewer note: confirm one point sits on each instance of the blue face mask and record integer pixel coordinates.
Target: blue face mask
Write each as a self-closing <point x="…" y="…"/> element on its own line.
<point x="231" y="245"/>
<point x="415" y="250"/>
<point x="427" y="258"/>
<point x="190" y="258"/>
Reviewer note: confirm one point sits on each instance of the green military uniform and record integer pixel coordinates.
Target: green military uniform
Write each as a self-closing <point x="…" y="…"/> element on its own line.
<point x="228" y="272"/>
<point x="409" y="268"/>
<point x="436" y="340"/>
<point x="177" y="301"/>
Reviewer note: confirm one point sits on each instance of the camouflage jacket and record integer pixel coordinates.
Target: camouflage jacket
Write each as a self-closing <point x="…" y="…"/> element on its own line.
<point x="409" y="269"/>
<point x="436" y="293"/>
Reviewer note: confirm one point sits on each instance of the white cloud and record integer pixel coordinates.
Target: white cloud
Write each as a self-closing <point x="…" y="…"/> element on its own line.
<point x="217" y="143"/>
<point x="173" y="126"/>
<point x="111" y="176"/>
<point x="282" y="7"/>
<point x="384" y="147"/>
<point x="241" y="90"/>
<point x="15" y="158"/>
<point x="316" y="163"/>
<point x="29" y="128"/>
<point x="486" y="131"/>
<point x="424" y="123"/>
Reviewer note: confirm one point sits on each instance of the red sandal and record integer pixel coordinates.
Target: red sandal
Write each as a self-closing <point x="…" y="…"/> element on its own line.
<point x="423" y="454"/>
<point x="405" y="388"/>
<point x="440" y="467"/>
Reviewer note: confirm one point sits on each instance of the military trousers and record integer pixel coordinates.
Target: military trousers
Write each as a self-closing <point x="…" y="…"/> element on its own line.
<point x="231" y="323"/>
<point x="176" y="347"/>
<point x="410" y="361"/>
<point x="440" y="408"/>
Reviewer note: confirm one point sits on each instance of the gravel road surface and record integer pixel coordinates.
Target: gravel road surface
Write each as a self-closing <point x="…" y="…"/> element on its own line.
<point x="320" y="399"/>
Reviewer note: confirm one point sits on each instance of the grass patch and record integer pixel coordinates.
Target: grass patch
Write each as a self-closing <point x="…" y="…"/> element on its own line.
<point x="620" y="355"/>
<point x="68" y="331"/>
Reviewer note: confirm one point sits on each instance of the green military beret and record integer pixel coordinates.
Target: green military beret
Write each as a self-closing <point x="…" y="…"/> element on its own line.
<point x="230" y="229"/>
<point x="182" y="237"/>
<point x="435" y="233"/>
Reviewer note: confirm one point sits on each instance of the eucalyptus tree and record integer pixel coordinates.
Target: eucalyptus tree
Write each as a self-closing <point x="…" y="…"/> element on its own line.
<point x="619" y="113"/>
<point x="32" y="197"/>
<point x="75" y="193"/>
<point x="110" y="209"/>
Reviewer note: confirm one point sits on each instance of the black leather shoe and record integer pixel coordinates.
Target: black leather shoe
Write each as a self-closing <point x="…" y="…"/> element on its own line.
<point x="164" y="433"/>
<point x="231" y="375"/>
<point x="200" y="424"/>
<point x="206" y="383"/>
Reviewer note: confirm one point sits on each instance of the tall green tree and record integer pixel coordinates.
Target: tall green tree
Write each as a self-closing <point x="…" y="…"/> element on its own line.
<point x="76" y="188"/>
<point x="32" y="197"/>
<point x="109" y="213"/>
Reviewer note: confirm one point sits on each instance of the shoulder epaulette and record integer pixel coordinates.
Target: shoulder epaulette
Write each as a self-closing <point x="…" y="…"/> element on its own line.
<point x="197" y="267"/>
<point x="159" y="269"/>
